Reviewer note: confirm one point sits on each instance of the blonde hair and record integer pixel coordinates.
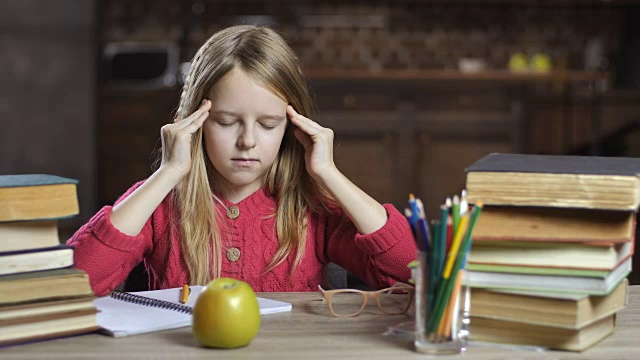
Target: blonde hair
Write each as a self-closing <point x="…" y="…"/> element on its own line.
<point x="266" y="57"/>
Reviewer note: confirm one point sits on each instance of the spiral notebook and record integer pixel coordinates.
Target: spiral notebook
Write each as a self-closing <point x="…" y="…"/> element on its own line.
<point x="124" y="314"/>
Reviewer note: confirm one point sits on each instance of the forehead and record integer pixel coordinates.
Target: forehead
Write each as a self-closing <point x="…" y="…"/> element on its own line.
<point x="237" y="91"/>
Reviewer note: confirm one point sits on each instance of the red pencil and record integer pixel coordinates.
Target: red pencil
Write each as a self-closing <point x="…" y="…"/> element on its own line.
<point x="449" y="232"/>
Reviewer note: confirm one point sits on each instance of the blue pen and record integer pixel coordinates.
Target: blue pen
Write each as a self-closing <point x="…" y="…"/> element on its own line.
<point x="423" y="229"/>
<point x="424" y="225"/>
<point x="408" y="216"/>
<point x="414" y="210"/>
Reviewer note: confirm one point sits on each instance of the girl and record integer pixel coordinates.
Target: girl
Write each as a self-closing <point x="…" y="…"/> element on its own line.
<point x="247" y="188"/>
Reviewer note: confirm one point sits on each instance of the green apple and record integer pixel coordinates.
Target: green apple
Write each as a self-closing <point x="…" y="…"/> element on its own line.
<point x="226" y="314"/>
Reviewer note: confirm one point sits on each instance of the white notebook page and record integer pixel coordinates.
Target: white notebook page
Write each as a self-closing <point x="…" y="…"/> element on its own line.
<point x="121" y="318"/>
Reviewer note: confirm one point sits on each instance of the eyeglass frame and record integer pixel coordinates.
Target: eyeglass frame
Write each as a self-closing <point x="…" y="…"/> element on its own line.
<point x="366" y="296"/>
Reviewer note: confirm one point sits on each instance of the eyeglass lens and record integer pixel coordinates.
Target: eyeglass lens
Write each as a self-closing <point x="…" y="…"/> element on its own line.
<point x="394" y="301"/>
<point x="346" y="303"/>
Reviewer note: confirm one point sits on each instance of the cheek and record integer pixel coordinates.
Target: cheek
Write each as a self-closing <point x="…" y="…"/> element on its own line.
<point x="274" y="142"/>
<point x="214" y="143"/>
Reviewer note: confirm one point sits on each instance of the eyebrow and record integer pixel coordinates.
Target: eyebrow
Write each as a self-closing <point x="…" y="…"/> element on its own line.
<point x="261" y="117"/>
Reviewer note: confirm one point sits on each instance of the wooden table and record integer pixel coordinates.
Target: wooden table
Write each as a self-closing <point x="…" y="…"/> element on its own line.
<point x="309" y="333"/>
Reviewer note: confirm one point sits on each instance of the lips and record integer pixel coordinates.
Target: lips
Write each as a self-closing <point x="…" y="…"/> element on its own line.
<point x="245" y="161"/>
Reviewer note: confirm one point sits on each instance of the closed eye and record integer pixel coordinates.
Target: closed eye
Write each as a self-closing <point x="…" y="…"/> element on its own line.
<point x="269" y="126"/>
<point x="225" y="122"/>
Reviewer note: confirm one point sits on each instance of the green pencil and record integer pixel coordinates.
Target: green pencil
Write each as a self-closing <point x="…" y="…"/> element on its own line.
<point x="442" y="246"/>
<point x="455" y="213"/>
<point x="431" y="276"/>
<point x="444" y="291"/>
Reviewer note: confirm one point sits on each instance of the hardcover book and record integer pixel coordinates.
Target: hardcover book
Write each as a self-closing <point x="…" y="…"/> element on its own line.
<point x="555" y="181"/>
<point x="37" y="197"/>
<point x="511" y="332"/>
<point x="571" y="311"/>
<point x="44" y="285"/>
<point x="556" y="283"/>
<point x="23" y="261"/>
<point x="548" y="224"/>
<point x="25" y="235"/>
<point x="554" y="255"/>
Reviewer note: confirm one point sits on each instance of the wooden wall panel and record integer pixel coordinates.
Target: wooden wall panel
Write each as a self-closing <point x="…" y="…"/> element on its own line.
<point x="442" y="168"/>
<point x="47" y="97"/>
<point x="129" y="125"/>
<point x="368" y="162"/>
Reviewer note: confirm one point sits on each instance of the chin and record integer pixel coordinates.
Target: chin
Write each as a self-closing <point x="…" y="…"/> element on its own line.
<point x="243" y="181"/>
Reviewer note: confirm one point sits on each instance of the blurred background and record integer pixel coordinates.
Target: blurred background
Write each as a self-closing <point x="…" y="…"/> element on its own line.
<point x="415" y="90"/>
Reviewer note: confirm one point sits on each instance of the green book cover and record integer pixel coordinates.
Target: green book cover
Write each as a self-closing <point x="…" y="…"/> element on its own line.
<point x="537" y="270"/>
<point x="8" y="181"/>
<point x="37" y="197"/>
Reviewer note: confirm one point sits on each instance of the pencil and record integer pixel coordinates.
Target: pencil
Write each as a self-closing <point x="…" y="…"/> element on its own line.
<point x="184" y="296"/>
<point x="449" y="233"/>
<point x="445" y="285"/>
<point x="455" y="213"/>
<point x="442" y="246"/>
<point x="455" y="247"/>
<point x="432" y="279"/>
<point x="452" y="305"/>
<point x="464" y="204"/>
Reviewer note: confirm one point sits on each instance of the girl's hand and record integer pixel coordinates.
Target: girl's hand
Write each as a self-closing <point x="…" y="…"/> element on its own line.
<point x="317" y="142"/>
<point x="176" y="141"/>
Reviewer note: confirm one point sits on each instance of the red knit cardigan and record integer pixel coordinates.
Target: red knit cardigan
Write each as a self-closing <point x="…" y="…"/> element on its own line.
<point x="249" y="243"/>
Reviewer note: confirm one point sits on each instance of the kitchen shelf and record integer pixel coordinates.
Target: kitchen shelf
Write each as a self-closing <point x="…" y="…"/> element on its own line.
<point x="454" y="75"/>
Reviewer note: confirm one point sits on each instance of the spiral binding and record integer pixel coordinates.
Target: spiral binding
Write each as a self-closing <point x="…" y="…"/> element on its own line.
<point x="143" y="300"/>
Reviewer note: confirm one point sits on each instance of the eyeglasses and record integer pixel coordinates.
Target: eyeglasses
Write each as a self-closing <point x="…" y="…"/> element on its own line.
<point x="351" y="302"/>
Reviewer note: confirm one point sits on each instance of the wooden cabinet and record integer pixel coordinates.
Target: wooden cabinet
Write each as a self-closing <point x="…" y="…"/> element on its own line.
<point x="395" y="138"/>
<point x="129" y="123"/>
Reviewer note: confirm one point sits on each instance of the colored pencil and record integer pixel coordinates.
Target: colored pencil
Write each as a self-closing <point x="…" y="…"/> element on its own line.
<point x="446" y="286"/>
<point x="445" y="244"/>
<point x="455" y="213"/>
<point x="442" y="245"/>
<point x="453" y="305"/>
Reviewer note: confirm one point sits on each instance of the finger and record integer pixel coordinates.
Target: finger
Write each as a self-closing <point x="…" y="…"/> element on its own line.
<point x="196" y="124"/>
<point x="303" y="123"/>
<point x="304" y="139"/>
<point x="205" y="107"/>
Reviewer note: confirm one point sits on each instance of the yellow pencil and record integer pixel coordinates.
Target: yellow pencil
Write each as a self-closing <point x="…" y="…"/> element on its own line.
<point x="185" y="294"/>
<point x="455" y="246"/>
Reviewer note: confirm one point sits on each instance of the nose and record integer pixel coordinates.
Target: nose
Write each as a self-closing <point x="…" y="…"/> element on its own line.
<point x="247" y="138"/>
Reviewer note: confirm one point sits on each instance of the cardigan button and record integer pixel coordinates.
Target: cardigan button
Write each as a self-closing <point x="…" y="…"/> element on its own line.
<point x="233" y="254"/>
<point x="233" y="212"/>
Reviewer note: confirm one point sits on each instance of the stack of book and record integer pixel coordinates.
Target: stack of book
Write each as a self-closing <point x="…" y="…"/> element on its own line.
<point x="41" y="294"/>
<point x="553" y="248"/>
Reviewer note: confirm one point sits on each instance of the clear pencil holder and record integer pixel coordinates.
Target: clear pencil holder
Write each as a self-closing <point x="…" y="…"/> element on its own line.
<point x="442" y="307"/>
